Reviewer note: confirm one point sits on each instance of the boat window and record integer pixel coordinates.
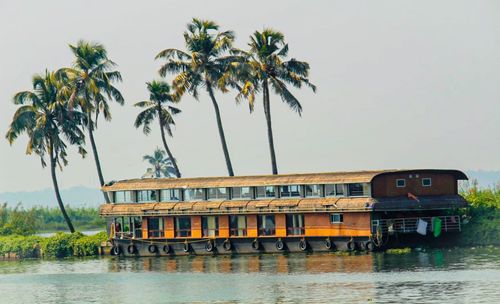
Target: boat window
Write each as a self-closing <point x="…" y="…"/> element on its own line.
<point x="137" y="227"/>
<point x="313" y="190"/>
<point x="265" y="192"/>
<point x="155" y="227"/>
<point x="144" y="196"/>
<point x="266" y="224"/>
<point x="336" y="218"/>
<point x="426" y="182"/>
<point x="170" y="195"/>
<point x="240" y="193"/>
<point x="237" y="225"/>
<point x="210" y="225"/>
<point x="290" y="191"/>
<point x="401" y="183"/>
<point x="334" y="190"/>
<point x="195" y="194"/>
<point x="217" y="194"/>
<point x="295" y="224"/>
<point x="359" y="189"/>
<point x="183" y="226"/>
<point x="123" y="197"/>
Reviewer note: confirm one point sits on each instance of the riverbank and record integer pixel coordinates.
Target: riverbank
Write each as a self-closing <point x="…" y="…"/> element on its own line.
<point x="60" y="245"/>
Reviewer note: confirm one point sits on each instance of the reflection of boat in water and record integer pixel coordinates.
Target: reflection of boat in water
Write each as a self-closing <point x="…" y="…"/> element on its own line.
<point x="311" y="263"/>
<point x="350" y="211"/>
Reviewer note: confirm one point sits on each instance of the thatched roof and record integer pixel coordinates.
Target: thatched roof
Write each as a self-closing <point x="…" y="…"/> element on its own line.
<point x="239" y="207"/>
<point x="262" y="180"/>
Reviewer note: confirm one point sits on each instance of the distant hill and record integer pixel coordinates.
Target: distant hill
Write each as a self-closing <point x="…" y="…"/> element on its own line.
<point x="74" y="196"/>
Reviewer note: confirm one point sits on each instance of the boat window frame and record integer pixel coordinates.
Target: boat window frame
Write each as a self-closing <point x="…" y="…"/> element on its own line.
<point x="299" y="187"/>
<point x="340" y="218"/>
<point x="252" y="193"/>
<point x="180" y="192"/>
<point x="137" y="195"/>
<point x="399" y="180"/>
<point x="427" y="179"/>
<point x="257" y="197"/>
<point x="321" y="190"/>
<point x="207" y="194"/>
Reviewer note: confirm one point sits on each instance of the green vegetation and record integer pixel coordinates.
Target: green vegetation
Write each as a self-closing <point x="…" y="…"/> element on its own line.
<point x="158" y="106"/>
<point x="483" y="227"/>
<point x="60" y="245"/>
<point x="46" y="119"/>
<point x="90" y="81"/>
<point x="161" y="166"/>
<point x="19" y="221"/>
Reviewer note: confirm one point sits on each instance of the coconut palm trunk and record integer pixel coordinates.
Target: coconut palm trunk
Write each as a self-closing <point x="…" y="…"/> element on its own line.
<point x="56" y="189"/>
<point x="169" y="153"/>
<point x="221" y="129"/>
<point x="267" y="112"/>
<point x="96" y="156"/>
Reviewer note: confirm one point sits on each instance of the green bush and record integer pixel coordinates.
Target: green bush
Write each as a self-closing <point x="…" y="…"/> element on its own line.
<point x="60" y="245"/>
<point x="483" y="215"/>
<point x="89" y="245"/>
<point x="22" y="246"/>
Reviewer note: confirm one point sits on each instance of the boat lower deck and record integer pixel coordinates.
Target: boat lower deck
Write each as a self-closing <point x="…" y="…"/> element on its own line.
<point x="158" y="247"/>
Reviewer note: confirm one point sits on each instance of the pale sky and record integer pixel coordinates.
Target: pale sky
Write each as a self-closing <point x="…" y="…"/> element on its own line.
<point x="401" y="84"/>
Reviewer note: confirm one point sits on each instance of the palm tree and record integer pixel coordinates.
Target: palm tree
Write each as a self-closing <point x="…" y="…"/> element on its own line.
<point x="266" y="66"/>
<point x="156" y="106"/>
<point x="205" y="63"/>
<point x="160" y="165"/>
<point x="43" y="115"/>
<point x="92" y="80"/>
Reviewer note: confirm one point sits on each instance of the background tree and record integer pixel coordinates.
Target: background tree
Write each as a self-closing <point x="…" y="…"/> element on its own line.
<point x="157" y="106"/>
<point x="91" y="79"/>
<point x="44" y="116"/>
<point x="160" y="166"/>
<point x="266" y="66"/>
<point x="204" y="64"/>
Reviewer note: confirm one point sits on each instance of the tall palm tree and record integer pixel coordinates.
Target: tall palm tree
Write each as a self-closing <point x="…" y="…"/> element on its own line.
<point x="156" y="106"/>
<point x="204" y="64"/>
<point x="266" y="66"/>
<point x="43" y="115"/>
<point x="159" y="164"/>
<point x="91" y="79"/>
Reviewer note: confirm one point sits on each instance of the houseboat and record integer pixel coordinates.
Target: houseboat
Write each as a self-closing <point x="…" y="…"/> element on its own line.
<point x="364" y="210"/>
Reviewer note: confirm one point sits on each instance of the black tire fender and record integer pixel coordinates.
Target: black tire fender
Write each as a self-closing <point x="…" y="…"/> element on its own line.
<point x="280" y="245"/>
<point x="166" y="248"/>
<point x="209" y="246"/>
<point x="369" y="246"/>
<point x="132" y="249"/>
<point x="152" y="248"/>
<point x="303" y="245"/>
<point x="255" y="244"/>
<point x="186" y="247"/>
<point x="116" y="250"/>
<point x="227" y="245"/>
<point x="351" y="245"/>
<point x="328" y="244"/>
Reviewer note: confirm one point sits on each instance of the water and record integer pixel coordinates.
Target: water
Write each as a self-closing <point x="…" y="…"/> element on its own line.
<point x="433" y="276"/>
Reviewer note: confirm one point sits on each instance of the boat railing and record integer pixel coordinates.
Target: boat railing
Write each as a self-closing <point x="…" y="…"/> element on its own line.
<point x="449" y="223"/>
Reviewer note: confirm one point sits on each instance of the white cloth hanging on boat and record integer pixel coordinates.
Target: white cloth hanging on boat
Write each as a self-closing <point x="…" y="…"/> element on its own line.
<point x="422" y="227"/>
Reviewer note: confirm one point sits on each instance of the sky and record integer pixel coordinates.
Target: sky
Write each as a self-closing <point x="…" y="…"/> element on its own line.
<point x="401" y="84"/>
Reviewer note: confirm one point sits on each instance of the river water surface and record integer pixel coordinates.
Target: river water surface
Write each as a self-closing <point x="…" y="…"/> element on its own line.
<point x="432" y="276"/>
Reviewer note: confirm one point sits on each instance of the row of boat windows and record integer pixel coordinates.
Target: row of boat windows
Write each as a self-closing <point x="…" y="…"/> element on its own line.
<point x="266" y="225"/>
<point x="242" y="193"/>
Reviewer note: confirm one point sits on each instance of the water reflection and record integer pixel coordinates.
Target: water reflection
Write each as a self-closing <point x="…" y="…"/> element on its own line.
<point x="439" y="276"/>
<point x="281" y="264"/>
